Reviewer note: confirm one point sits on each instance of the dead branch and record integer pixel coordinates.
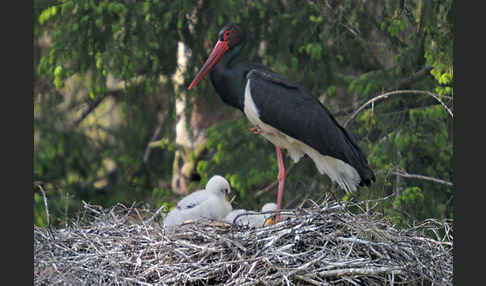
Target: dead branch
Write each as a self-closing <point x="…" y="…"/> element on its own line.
<point x="398" y="92"/>
<point x="422" y="177"/>
<point x="360" y="271"/>
<point x="116" y="90"/>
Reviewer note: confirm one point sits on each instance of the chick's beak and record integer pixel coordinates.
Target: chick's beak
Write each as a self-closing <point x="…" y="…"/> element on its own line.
<point x="269" y="221"/>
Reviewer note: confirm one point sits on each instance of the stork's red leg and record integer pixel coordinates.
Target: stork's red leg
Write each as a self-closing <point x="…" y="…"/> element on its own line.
<point x="281" y="181"/>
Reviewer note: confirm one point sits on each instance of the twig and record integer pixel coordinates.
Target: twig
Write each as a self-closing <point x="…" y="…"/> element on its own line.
<point x="116" y="90"/>
<point x="360" y="271"/>
<point x="397" y="92"/>
<point x="261" y="192"/>
<point x="45" y="203"/>
<point x="92" y="106"/>
<point x="162" y="207"/>
<point x="448" y="243"/>
<point x="158" y="129"/>
<point x="308" y="280"/>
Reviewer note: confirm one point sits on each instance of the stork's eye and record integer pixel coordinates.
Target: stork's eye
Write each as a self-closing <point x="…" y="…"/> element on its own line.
<point x="227" y="34"/>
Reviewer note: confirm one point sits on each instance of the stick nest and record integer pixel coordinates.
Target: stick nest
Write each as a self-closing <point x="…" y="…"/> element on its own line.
<point x="327" y="244"/>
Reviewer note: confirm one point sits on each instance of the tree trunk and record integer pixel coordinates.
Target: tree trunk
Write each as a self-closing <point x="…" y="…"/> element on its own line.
<point x="191" y="128"/>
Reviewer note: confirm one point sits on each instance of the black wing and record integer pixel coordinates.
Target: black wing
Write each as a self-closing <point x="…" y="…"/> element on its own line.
<point x="293" y="111"/>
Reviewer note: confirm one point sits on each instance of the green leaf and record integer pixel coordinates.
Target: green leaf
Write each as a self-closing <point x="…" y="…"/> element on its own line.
<point x="58" y="71"/>
<point x="315" y="19"/>
<point x="294" y="63"/>
<point x="331" y="90"/>
<point x="85" y="19"/>
<point x="146" y="6"/>
<point x="316" y="52"/>
<point x="67" y="8"/>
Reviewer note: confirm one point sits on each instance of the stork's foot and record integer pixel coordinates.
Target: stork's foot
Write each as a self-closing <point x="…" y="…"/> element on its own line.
<point x="256" y="130"/>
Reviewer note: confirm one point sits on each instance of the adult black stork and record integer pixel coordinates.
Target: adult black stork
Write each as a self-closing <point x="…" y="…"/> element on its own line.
<point x="285" y="114"/>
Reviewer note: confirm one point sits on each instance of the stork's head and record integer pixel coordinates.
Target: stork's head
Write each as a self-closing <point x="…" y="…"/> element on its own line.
<point x="269" y="217"/>
<point x="230" y="36"/>
<point x="219" y="186"/>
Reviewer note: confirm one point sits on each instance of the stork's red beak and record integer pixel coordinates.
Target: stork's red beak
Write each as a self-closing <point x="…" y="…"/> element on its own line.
<point x="218" y="51"/>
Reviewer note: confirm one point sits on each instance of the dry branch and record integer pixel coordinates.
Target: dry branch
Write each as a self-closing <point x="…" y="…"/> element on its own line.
<point x="325" y="245"/>
<point x="396" y="92"/>
<point x="421" y="177"/>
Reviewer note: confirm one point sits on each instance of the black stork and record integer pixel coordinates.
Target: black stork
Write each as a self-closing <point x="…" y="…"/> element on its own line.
<point x="285" y="114"/>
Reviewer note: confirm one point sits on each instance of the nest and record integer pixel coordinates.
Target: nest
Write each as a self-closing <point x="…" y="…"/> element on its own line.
<point x="327" y="244"/>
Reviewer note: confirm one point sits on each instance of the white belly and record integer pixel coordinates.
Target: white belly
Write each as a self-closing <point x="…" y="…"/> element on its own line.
<point x="340" y="172"/>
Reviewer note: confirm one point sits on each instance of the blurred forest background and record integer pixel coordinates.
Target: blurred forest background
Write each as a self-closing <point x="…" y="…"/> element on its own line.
<point x="114" y="122"/>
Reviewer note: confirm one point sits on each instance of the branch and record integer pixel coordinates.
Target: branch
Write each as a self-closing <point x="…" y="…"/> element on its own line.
<point x="395" y="92"/>
<point x="95" y="103"/>
<point x="308" y="279"/>
<point x="406" y="83"/>
<point x="162" y="208"/>
<point x="426" y="239"/>
<point x="414" y="176"/>
<point x="360" y="271"/>
<point x="92" y="106"/>
<point x="115" y="90"/>
<point x="158" y="129"/>
<point x="165" y="142"/>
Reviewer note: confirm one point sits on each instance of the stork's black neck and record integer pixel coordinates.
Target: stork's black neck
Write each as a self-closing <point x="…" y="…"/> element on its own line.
<point x="229" y="79"/>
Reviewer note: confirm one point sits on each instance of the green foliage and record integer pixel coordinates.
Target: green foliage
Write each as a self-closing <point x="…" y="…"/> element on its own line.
<point x="40" y="217"/>
<point x="104" y="167"/>
<point x="444" y="78"/>
<point x="117" y="36"/>
<point x="420" y="145"/>
<point x="410" y="201"/>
